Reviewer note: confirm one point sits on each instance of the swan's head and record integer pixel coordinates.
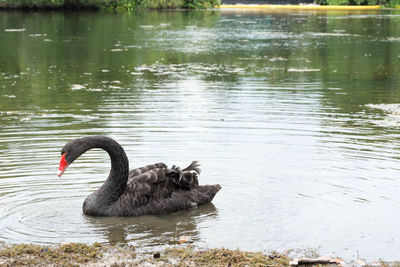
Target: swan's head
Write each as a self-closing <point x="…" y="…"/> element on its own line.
<point x="71" y="151"/>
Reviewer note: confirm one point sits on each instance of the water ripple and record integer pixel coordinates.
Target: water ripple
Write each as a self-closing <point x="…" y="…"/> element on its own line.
<point x="276" y="107"/>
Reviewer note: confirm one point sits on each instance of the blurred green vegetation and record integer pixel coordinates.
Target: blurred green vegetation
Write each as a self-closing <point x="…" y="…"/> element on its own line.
<point x="385" y="3"/>
<point x="130" y="5"/>
<point x="160" y="4"/>
<point x="113" y="5"/>
<point x="392" y="3"/>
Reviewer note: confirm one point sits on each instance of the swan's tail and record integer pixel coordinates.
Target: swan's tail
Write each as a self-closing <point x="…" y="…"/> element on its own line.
<point x="186" y="178"/>
<point x="206" y="193"/>
<point x="194" y="166"/>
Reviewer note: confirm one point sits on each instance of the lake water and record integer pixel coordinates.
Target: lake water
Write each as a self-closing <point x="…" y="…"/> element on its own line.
<point x="289" y="112"/>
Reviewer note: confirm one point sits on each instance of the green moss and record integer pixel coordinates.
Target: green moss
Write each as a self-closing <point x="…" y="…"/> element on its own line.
<point x="66" y="254"/>
<point x="74" y="254"/>
<point x="79" y="252"/>
<point x="225" y="257"/>
<point x="21" y="249"/>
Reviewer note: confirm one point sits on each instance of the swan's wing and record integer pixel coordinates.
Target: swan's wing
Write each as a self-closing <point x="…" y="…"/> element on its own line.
<point x="150" y="185"/>
<point x="138" y="171"/>
<point x="158" y="190"/>
<point x="160" y="183"/>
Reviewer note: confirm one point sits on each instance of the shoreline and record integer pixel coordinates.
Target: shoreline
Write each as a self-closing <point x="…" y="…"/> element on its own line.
<point x="77" y="254"/>
<point x="298" y="7"/>
<point x="4" y="6"/>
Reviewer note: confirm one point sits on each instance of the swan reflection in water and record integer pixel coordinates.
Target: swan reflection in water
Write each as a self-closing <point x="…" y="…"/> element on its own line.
<point x="153" y="230"/>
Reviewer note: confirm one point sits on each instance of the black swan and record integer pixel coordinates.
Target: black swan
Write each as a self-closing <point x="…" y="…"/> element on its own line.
<point x="149" y="190"/>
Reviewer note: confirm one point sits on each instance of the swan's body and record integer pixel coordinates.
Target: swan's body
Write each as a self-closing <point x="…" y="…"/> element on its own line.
<point x="153" y="189"/>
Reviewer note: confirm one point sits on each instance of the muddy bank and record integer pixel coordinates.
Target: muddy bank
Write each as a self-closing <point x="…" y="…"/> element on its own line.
<point x="73" y="254"/>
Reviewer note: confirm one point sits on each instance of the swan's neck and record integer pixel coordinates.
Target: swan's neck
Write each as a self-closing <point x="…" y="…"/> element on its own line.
<point x="116" y="182"/>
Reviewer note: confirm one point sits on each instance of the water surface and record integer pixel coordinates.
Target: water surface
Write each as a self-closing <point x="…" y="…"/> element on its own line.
<point x="287" y="111"/>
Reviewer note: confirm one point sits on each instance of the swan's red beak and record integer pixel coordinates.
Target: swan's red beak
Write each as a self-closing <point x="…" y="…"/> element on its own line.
<point x="63" y="165"/>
